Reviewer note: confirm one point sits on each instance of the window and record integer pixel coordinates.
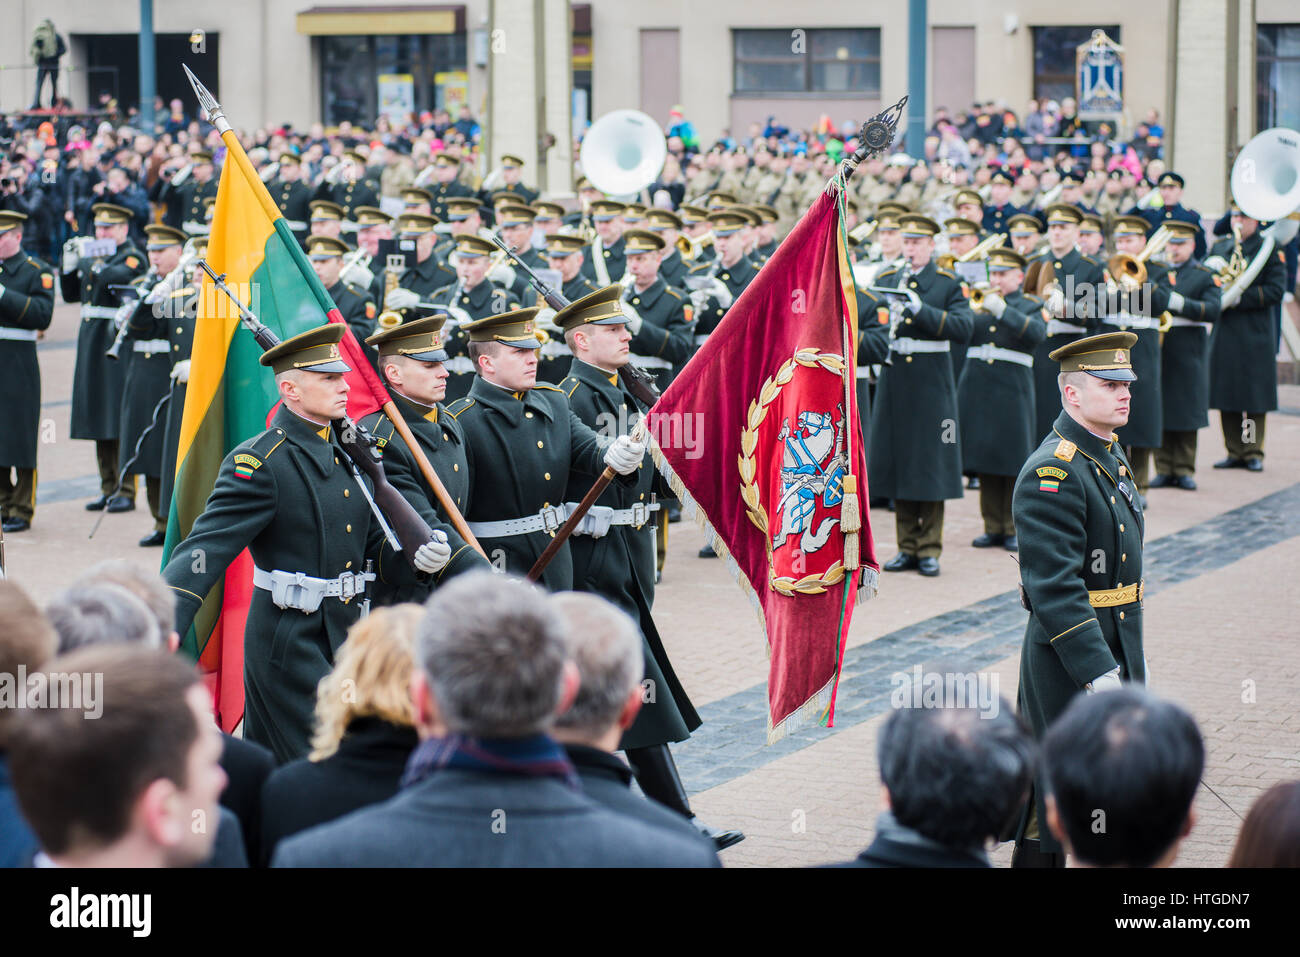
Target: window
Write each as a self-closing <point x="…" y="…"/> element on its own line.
<point x="807" y="61"/>
<point x="351" y="66"/>
<point x="1055" y="58"/>
<point x="1277" y="75"/>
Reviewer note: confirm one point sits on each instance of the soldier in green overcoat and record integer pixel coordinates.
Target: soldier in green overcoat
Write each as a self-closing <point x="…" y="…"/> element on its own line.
<point x="411" y="360"/>
<point x="1080" y="525"/>
<point x="1243" y="349"/>
<point x="996" y="393"/>
<point x="289" y="497"/>
<point x="604" y="260"/>
<point x="97" y="380"/>
<point x="1191" y="293"/>
<point x="26" y="306"/>
<point x="915" y="452"/>
<point x="522" y="440"/>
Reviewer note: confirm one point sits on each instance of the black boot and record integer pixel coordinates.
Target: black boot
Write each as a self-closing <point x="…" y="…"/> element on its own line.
<point x="656" y="773"/>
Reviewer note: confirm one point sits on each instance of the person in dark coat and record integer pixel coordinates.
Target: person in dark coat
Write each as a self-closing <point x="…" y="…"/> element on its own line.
<point x="80" y="195"/>
<point x="522" y="441"/>
<point x="185" y="198"/>
<point x="364" y="732"/>
<point x="26" y="307"/>
<point x="354" y="302"/>
<point x="954" y="778"/>
<point x="1192" y="295"/>
<point x="146" y="352"/>
<point x="915" y="454"/>
<point x="97" y="380"/>
<point x="1243" y="348"/>
<point x="565" y="255"/>
<point x="247" y="766"/>
<point x="287" y="497"/>
<point x="604" y="261"/>
<point x="996" y="394"/>
<point x="412" y="361"/>
<point x="605" y="646"/>
<point x="660" y="323"/>
<point x="1080" y="525"/>
<point x="292" y="195"/>
<point x="181" y="312"/>
<point x="446" y="185"/>
<point x="488" y="786"/>
<point x="1171" y="210"/>
<point x="47" y="50"/>
<point x="350" y="187"/>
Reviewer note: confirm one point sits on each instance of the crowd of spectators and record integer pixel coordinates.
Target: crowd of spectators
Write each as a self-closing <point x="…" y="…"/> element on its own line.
<point x="481" y="730"/>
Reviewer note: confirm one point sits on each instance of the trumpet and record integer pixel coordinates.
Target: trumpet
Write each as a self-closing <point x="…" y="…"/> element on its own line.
<point x="691" y="246"/>
<point x="977" y="295"/>
<point x="1131" y="271"/>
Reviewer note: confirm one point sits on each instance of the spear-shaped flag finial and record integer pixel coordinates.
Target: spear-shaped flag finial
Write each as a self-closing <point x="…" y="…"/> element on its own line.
<point x="207" y="101"/>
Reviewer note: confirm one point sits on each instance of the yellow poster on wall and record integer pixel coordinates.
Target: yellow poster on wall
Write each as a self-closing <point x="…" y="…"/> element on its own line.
<point x="453" y="90"/>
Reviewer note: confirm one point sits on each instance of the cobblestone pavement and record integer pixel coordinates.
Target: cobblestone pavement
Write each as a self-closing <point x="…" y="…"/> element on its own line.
<point x="1220" y="619"/>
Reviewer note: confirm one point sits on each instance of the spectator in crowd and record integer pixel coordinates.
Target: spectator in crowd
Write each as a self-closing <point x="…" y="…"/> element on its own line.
<point x="102" y="614"/>
<point x="953" y="781"/>
<point x="46" y="50"/>
<point x="604" y="644"/>
<point x="26" y="642"/>
<point x="364" y="731"/>
<point x="137" y="786"/>
<point x="1122" y="768"/>
<point x="493" y="672"/>
<point x="1270" y="835"/>
<point x="681" y="128"/>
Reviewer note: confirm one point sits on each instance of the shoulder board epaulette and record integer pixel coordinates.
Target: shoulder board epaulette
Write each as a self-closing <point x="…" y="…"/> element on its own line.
<point x="1205" y="268"/>
<point x="266" y="443"/>
<point x="459" y="406"/>
<point x="1089" y="260"/>
<point x="564" y="386"/>
<point x="543" y="385"/>
<point x="1065" y="450"/>
<point x="887" y="272"/>
<point x="699" y="266"/>
<point x="945" y="272"/>
<point x="355" y="290"/>
<point x="673" y="292"/>
<point x="1034" y="300"/>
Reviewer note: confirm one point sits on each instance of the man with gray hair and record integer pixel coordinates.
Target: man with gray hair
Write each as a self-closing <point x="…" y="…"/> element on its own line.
<point x="495" y="790"/>
<point x="101" y="614"/>
<point x="953" y="780"/>
<point x="605" y="646"/>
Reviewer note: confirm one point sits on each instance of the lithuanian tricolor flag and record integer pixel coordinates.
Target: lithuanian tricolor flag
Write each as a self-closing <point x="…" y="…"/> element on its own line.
<point x="230" y="395"/>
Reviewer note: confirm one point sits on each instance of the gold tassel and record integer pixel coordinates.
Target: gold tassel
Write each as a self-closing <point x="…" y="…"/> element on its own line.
<point x="850" y="522"/>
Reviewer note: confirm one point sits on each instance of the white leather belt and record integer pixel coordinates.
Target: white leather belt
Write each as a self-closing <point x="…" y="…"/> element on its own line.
<point x="700" y="340"/>
<point x="555" y="350"/>
<point x="99" y="312"/>
<point x="304" y="593"/>
<point x="1128" y="321"/>
<point x="862" y="372"/>
<point x="1004" y="355"/>
<point x="151" y="345"/>
<point x="1183" y="322"/>
<point x="196" y="228"/>
<point x="905" y="346"/>
<point x="460" y="365"/>
<point x="297" y="225"/>
<point x="1055" y="327"/>
<point x="18" y="335"/>
<point x="550" y="518"/>
<point x="651" y="362"/>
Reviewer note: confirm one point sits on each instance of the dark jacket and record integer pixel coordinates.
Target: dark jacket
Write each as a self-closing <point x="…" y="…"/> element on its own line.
<point x="365" y="770"/>
<point x="607" y="780"/>
<point x="1243" y="345"/>
<point x="27" y="304"/>
<point x="899" y="846"/>
<point x="246" y="765"/>
<point x="460" y="818"/>
<point x="1089" y="275"/>
<point x="1185" y="353"/>
<point x="17" y="842"/>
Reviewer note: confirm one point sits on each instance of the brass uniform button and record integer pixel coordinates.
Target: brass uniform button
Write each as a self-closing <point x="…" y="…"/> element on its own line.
<point x="348" y="565"/>
<point x="349" y="529"/>
<point x="909" y="358"/>
<point x="528" y="415"/>
<point x="1121" y="526"/>
<point x="455" y="466"/>
<point x="1124" y="557"/>
<point x="539" y="443"/>
<point x="547" y="476"/>
<point x="346" y="493"/>
<point x="1121" y="616"/>
<point x="1112" y="500"/>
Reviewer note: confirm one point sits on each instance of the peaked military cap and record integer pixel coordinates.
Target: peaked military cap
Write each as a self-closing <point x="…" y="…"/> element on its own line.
<point x="768" y="214"/>
<point x="1091" y="223"/>
<point x="415" y="224"/>
<point x="719" y="200"/>
<point x="634" y="213"/>
<point x="751" y="215"/>
<point x="599" y="308"/>
<point x="199" y="157"/>
<point x="414" y="196"/>
<point x="1130" y="226"/>
<point x="418" y="338"/>
<point x="914" y="224"/>
<point x="160" y="237"/>
<point x="9" y="219"/>
<point x="958" y="226"/>
<point x="324" y="209"/>
<point x="503" y="196"/>
<point x="728" y="221"/>
<point x="968" y="197"/>
<point x="642" y="241"/>
<point x="889" y="206"/>
<point x="509" y="159"/>
<point x="446" y="159"/>
<point x="460" y="207"/>
<point x="546" y="210"/>
<point x="1002" y="259"/>
<point x="606" y="209"/>
<point x="1024" y="223"/>
<point x="326" y="247"/>
<point x="1002" y="176"/>
<point x="467" y="244"/>
<point x="1108" y="356"/>
<point x="658" y="219"/>
<point x="109" y="214"/>
<point x="515" y="214"/>
<point x="517" y="328"/>
<point x="293" y="159"/>
<point x="1063" y="213"/>
<point x="316" y="350"/>
<point x="355" y="157"/>
<point x="562" y="244"/>
<point x="367" y="216"/>
<point x="692" y="214"/>
<point x="1171" y="179"/>
<point x="1180" y="231"/>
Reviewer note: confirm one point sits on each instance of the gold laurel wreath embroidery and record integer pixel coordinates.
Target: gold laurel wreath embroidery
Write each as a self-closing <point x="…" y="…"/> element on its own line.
<point x="810" y="358"/>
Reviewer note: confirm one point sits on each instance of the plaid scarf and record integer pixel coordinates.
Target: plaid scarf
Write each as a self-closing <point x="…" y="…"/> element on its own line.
<point x="534" y="756"/>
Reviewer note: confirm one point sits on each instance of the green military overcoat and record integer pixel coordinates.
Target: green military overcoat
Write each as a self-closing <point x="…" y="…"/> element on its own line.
<point x="1184" y="356"/>
<point x="1243" y="345"/>
<point x="26" y="306"/>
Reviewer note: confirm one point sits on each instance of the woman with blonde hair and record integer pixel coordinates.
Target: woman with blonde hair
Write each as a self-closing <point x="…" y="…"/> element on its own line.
<point x="364" y="731"/>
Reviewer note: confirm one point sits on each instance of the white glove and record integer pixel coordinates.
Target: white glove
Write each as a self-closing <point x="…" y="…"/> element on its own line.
<point x="71" y="254"/>
<point x="596" y="522"/>
<point x="1107" y="682"/>
<point x="358" y="275"/>
<point x="1056" y="303"/>
<point x="1231" y="298"/>
<point x="913" y="304"/>
<point x="434" y="554"/>
<point x="624" y="455"/>
<point x="634" y="319"/>
<point x="720" y="292"/>
<point x="546" y="319"/>
<point x="1214" y="263"/>
<point x="2" y="289"/>
<point x="995" y="304"/>
<point x="401" y="298"/>
<point x="181" y="371"/>
<point x="1176" y="302"/>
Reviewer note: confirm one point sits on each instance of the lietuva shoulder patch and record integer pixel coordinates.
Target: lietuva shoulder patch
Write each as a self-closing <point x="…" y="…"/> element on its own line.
<point x="1051" y="471"/>
<point x="1065" y="450"/>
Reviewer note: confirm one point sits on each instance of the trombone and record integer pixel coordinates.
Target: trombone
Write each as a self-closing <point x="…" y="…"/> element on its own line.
<point x="979" y="251"/>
